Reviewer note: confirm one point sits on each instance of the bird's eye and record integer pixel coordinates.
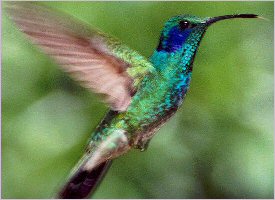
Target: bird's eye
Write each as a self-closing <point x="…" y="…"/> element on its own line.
<point x="185" y="24"/>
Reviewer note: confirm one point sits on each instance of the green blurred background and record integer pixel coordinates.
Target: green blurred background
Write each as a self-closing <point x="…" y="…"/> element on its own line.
<point x="218" y="145"/>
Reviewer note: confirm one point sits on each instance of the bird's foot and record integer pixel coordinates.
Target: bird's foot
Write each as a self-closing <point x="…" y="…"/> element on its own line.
<point x="142" y="145"/>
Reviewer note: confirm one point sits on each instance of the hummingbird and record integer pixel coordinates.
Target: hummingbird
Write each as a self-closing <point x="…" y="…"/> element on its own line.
<point x="142" y="94"/>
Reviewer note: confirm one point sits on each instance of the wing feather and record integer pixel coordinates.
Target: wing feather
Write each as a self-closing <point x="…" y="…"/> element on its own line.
<point x="97" y="61"/>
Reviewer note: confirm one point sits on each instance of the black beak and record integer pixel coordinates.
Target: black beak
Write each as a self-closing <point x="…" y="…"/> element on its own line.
<point x="215" y="19"/>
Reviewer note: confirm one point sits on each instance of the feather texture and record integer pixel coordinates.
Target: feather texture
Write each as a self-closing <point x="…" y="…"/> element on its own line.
<point x="97" y="61"/>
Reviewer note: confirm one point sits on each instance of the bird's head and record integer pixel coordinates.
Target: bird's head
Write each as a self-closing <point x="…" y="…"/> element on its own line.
<point x="180" y="29"/>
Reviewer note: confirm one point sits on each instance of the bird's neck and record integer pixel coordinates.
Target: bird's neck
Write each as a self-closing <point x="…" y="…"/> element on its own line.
<point x="174" y="62"/>
<point x="175" y="68"/>
<point x="179" y="60"/>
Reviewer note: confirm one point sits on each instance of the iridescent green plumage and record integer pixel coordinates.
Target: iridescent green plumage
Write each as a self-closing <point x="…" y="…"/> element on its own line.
<point x="142" y="94"/>
<point x="161" y="91"/>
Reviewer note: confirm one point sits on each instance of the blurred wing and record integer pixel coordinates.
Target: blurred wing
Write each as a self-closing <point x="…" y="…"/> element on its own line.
<point x="99" y="62"/>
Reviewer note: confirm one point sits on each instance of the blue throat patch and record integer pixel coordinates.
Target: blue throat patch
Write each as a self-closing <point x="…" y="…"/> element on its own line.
<point x="174" y="40"/>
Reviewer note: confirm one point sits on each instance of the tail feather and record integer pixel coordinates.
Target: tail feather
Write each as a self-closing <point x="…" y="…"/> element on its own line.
<point x="91" y="168"/>
<point x="83" y="182"/>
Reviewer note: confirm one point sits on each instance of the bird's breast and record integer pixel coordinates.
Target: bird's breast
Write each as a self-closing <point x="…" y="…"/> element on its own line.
<point x="156" y="102"/>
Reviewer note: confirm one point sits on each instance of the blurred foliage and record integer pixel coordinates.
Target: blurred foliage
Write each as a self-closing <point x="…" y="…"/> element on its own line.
<point x="219" y="144"/>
